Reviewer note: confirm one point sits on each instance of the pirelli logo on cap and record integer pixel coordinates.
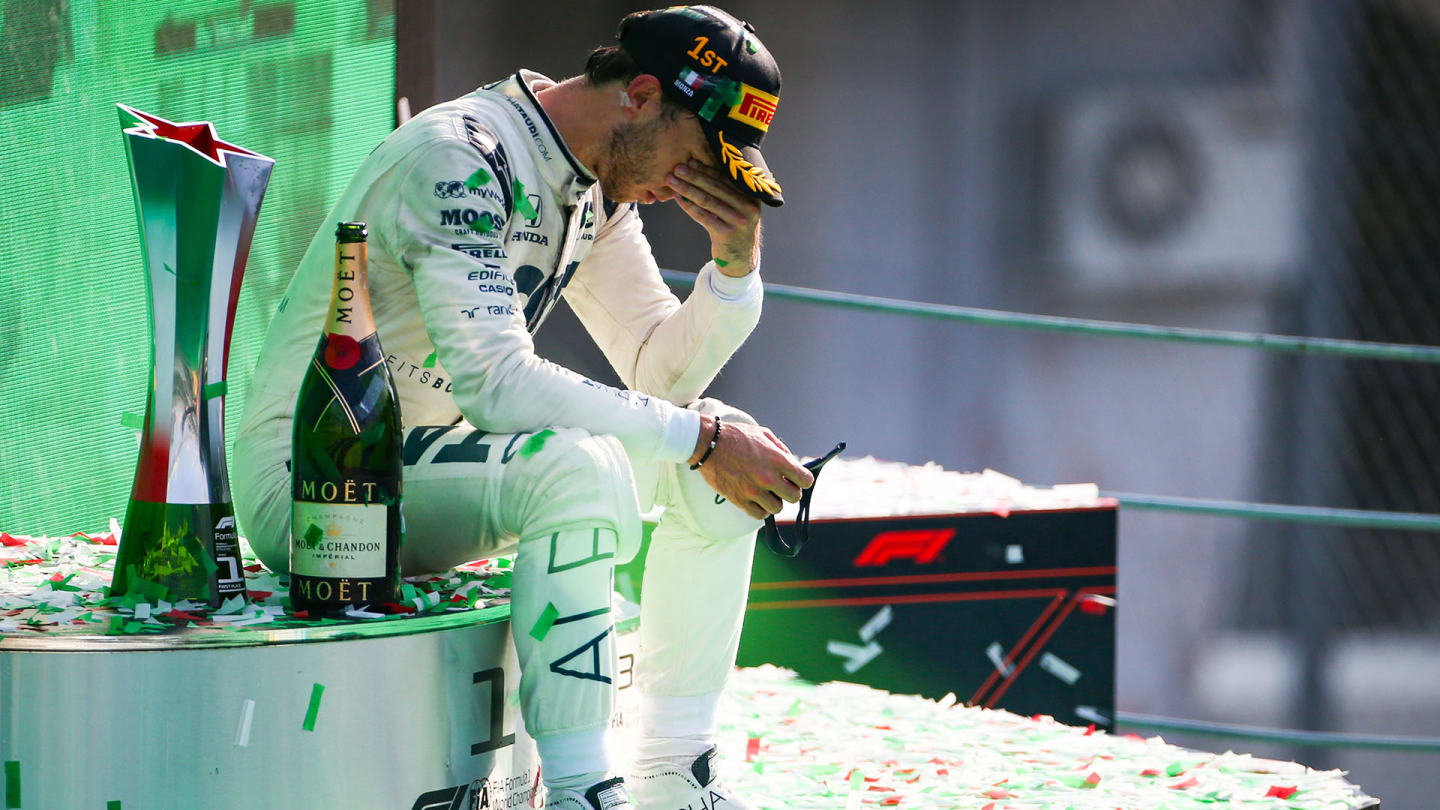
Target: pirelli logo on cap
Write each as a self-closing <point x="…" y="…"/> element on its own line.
<point x="756" y="108"/>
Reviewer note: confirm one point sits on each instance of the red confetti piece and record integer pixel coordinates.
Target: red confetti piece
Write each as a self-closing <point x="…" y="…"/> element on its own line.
<point x="255" y="569"/>
<point x="998" y="793"/>
<point x="391" y="607"/>
<point x="1280" y="792"/>
<point x="180" y="615"/>
<point x="1090" y="729"/>
<point x="942" y="772"/>
<point x="1152" y="772"/>
<point x="257" y="595"/>
<point x="301" y="614"/>
<point x="10" y="541"/>
<point x="885" y="728"/>
<point x="990" y="806"/>
<point x="1188" y="783"/>
<point x="752" y="749"/>
<point x="1093" y="778"/>
<point x="1094" y="606"/>
<point x="890" y="801"/>
<point x="882" y="789"/>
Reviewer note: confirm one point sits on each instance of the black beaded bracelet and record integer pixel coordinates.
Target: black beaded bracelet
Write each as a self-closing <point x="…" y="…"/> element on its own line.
<point x="714" y="440"/>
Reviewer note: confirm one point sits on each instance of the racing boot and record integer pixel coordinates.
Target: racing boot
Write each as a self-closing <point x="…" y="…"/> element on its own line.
<point x="607" y="795"/>
<point x="662" y="785"/>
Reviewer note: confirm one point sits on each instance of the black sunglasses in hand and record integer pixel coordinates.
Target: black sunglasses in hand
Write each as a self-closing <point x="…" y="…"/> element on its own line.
<point x="777" y="542"/>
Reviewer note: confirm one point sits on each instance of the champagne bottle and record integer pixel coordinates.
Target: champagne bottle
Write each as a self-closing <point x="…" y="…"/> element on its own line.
<point x="346" y="526"/>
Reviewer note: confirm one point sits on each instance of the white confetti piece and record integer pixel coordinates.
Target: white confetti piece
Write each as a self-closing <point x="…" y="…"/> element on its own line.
<point x="996" y="654"/>
<point x="1092" y="714"/>
<point x="878" y="622"/>
<point x="1058" y="667"/>
<point x="855" y="656"/>
<point x="1014" y="554"/>
<point x="242" y="729"/>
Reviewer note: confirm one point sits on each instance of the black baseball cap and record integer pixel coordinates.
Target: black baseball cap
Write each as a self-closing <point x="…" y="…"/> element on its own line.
<point x="713" y="65"/>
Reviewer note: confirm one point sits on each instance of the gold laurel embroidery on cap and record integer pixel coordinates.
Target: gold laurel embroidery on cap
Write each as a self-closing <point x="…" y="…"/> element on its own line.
<point x="740" y="168"/>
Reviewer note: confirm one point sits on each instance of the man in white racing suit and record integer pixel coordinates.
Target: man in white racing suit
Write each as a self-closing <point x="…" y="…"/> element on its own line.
<point x="482" y="213"/>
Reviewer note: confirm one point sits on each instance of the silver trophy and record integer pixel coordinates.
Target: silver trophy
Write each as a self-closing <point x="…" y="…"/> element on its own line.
<point x="197" y="199"/>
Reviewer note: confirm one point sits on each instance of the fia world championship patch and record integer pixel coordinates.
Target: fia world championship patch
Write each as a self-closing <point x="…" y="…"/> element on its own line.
<point x="756" y="108"/>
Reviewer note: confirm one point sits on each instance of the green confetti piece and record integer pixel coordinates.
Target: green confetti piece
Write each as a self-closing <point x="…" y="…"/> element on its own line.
<point x="113" y="805"/>
<point x="313" y="535"/>
<point x="134" y="421"/>
<point x="535" y="443"/>
<point x="710" y="107"/>
<point x="522" y="202"/>
<point x="720" y="263"/>
<point x="12" y="784"/>
<point x="498" y="581"/>
<point x="117" y="626"/>
<point x="478" y="179"/>
<point x="1174" y="769"/>
<point x="750" y="46"/>
<point x="213" y="390"/>
<point x="314" y="710"/>
<point x="759" y="766"/>
<point x="503" y="562"/>
<point x="429" y="361"/>
<point x="546" y="620"/>
<point x="857" y="779"/>
<point x="63" y="585"/>
<point x="138" y="585"/>
<point x="208" y="562"/>
<point x="483" y="224"/>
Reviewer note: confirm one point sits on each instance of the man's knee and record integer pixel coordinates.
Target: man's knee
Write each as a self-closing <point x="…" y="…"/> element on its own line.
<point x="570" y="478"/>
<point x="694" y="504"/>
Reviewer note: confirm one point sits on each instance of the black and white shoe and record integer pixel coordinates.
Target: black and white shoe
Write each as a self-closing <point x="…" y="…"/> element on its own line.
<point x="667" y="786"/>
<point x="607" y="795"/>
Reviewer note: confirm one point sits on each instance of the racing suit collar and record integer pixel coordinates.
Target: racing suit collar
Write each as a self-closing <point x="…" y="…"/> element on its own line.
<point x="559" y="166"/>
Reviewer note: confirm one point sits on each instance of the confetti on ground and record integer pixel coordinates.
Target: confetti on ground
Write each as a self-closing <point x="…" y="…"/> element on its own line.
<point x="867" y="487"/>
<point x="61" y="585"/>
<point x="841" y="745"/>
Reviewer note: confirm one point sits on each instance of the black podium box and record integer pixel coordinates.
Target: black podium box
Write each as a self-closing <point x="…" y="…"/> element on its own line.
<point x="1012" y="611"/>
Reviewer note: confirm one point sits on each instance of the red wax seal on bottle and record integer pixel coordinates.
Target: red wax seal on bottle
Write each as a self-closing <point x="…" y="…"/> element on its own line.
<point x="341" y="351"/>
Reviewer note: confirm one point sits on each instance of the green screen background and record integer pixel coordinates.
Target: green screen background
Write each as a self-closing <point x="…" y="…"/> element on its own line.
<point x="308" y="83"/>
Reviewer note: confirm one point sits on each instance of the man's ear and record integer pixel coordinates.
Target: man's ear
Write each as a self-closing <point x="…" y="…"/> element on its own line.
<point x="644" y="92"/>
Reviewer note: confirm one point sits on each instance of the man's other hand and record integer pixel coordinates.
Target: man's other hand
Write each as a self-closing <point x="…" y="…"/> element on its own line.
<point x="751" y="467"/>
<point x="731" y="218"/>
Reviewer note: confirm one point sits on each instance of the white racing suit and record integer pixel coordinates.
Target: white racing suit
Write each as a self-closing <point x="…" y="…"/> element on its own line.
<point x="479" y="217"/>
